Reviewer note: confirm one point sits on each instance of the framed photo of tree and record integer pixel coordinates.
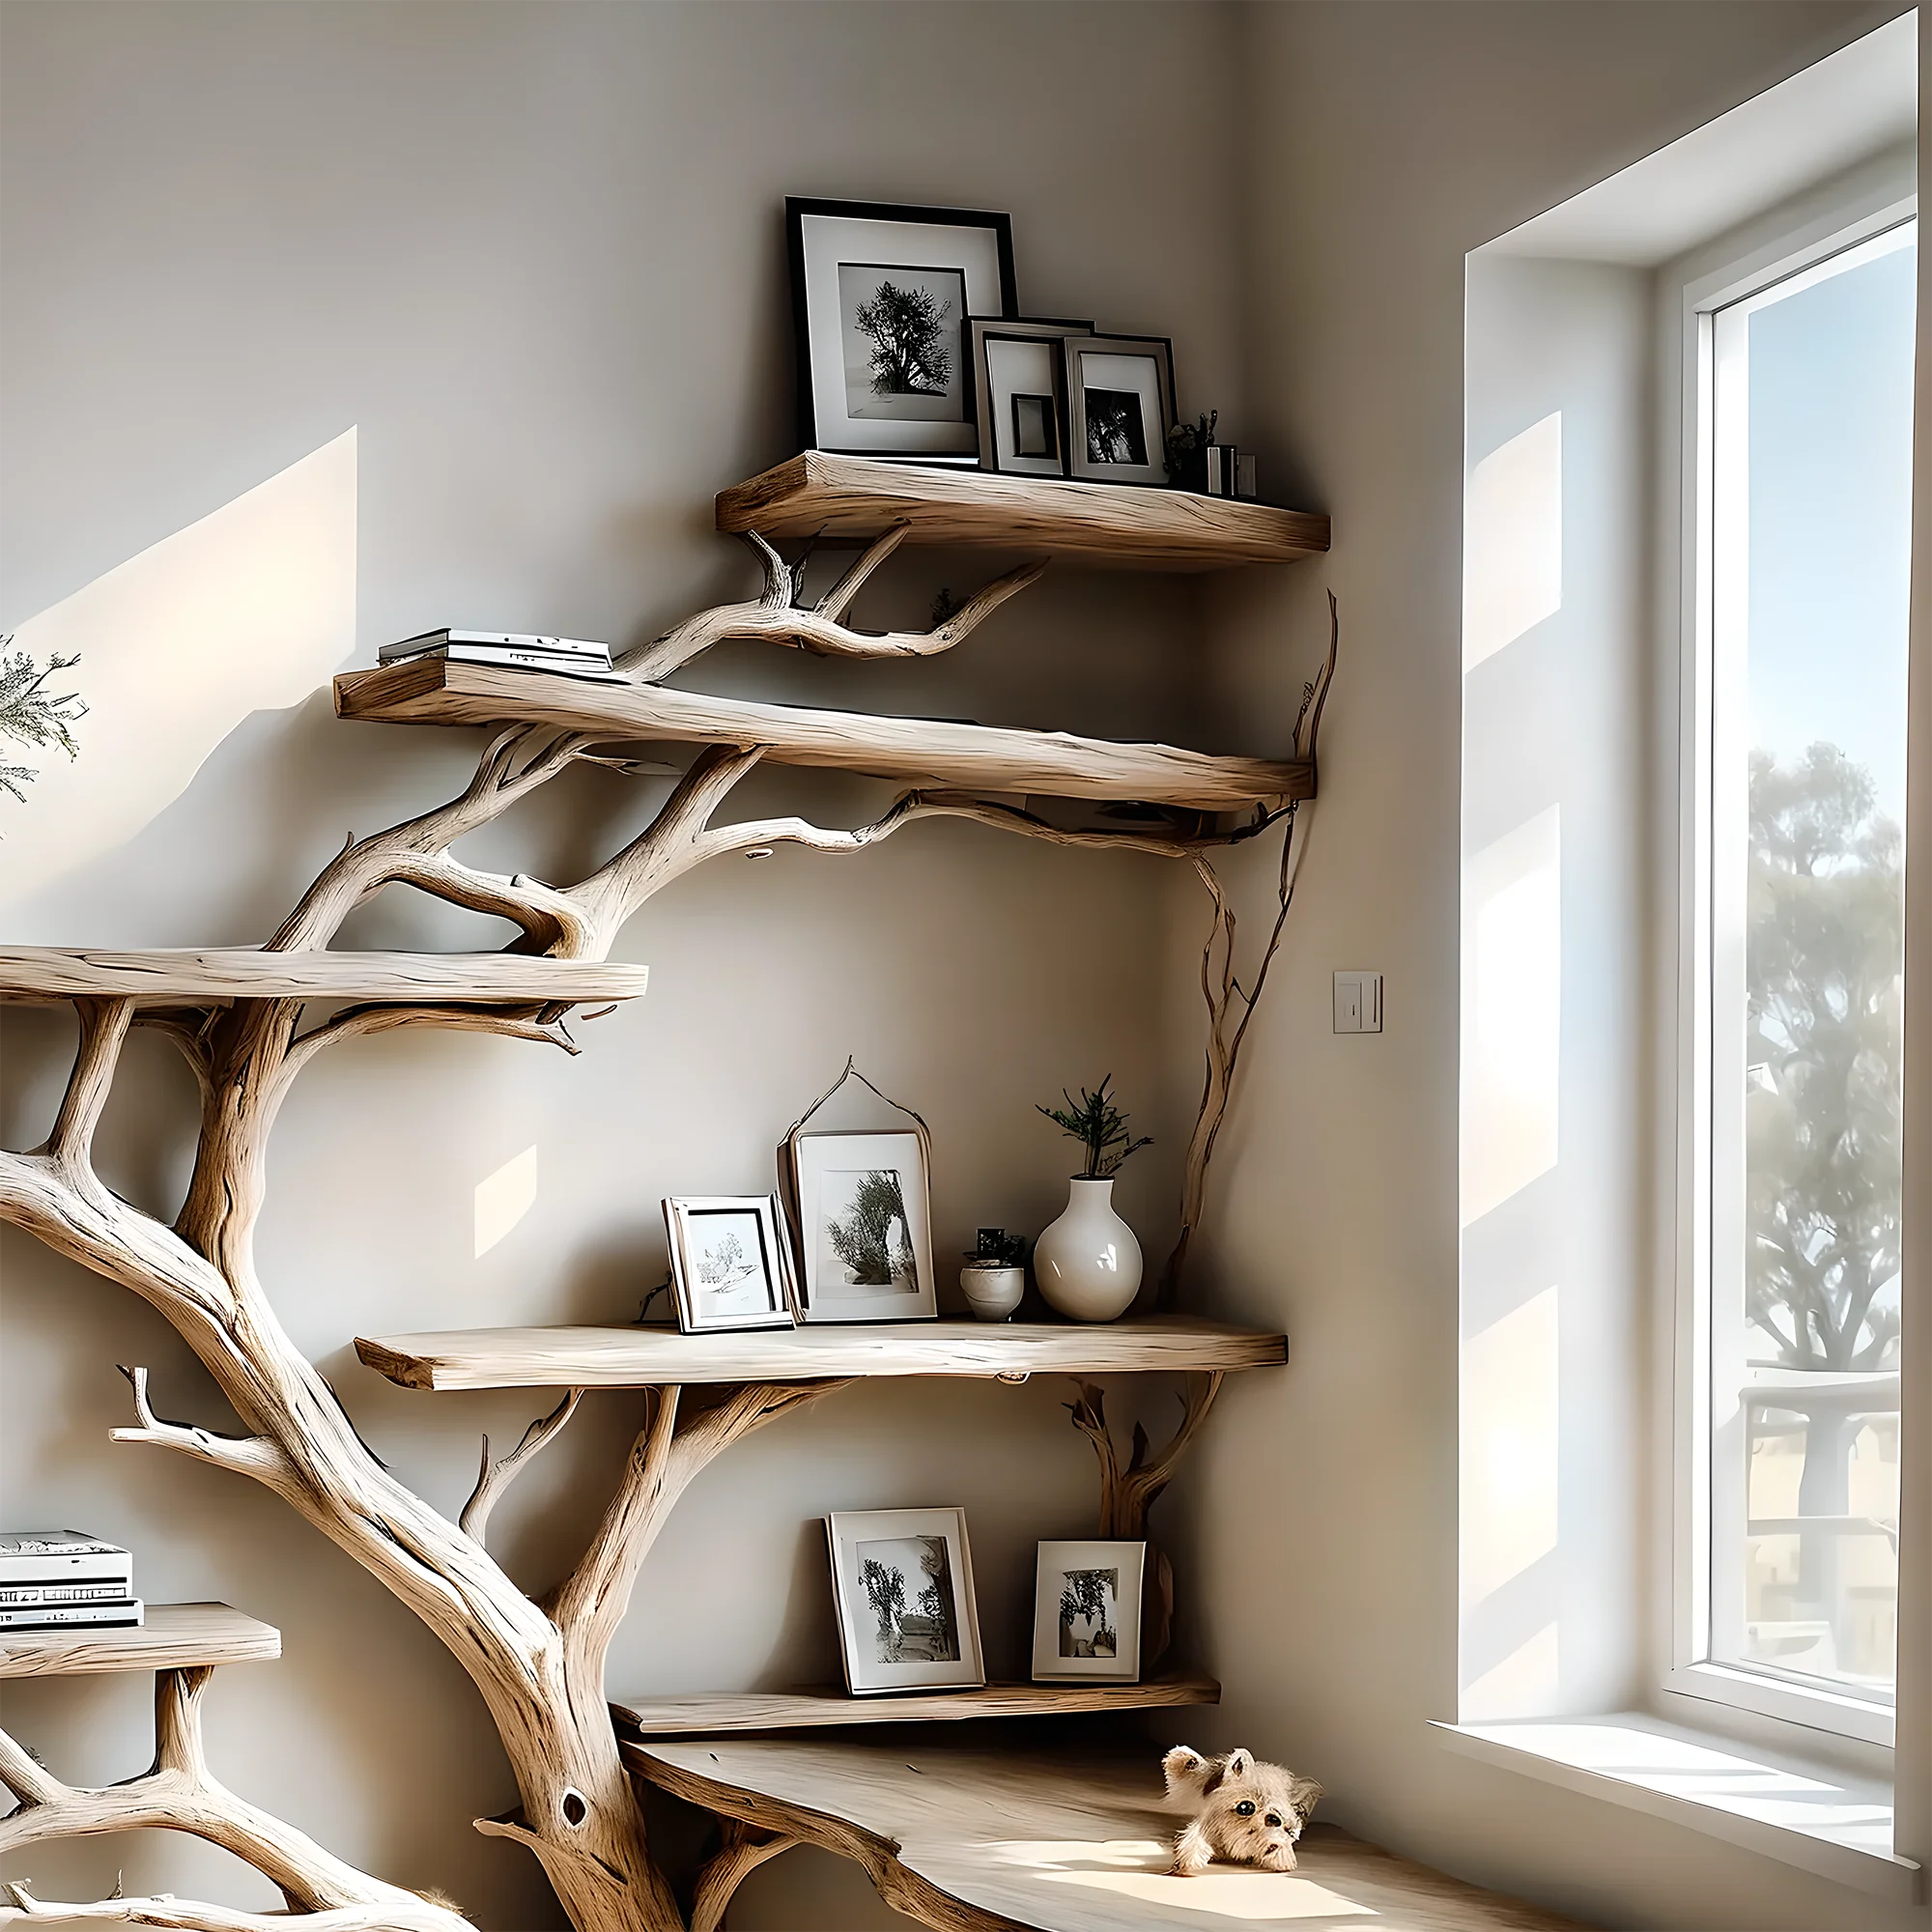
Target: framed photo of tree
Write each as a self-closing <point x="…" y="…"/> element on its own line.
<point x="880" y="298"/>
<point x="730" y="1264"/>
<point x="1120" y="407"/>
<point x="902" y="1588"/>
<point x="865" y="1231"/>
<point x="1087" y="1613"/>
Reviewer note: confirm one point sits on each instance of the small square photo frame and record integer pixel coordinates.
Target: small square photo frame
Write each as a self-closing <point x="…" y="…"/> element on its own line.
<point x="1087" y="1613"/>
<point x="902" y="1587"/>
<point x="1120" y="407"/>
<point x="1020" y="392"/>
<point x="864" y="1226"/>
<point x="880" y="297"/>
<point x="730" y="1262"/>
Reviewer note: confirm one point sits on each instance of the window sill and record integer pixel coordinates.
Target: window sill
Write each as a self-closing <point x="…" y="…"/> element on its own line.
<point x="1821" y="1820"/>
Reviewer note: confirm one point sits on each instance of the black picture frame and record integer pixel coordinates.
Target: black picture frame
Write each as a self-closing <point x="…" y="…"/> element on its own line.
<point x="1048" y="333"/>
<point x="818" y="324"/>
<point x="1144" y="442"/>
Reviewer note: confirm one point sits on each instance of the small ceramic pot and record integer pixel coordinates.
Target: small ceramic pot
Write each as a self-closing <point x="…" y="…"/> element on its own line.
<point x="1088" y="1263"/>
<point x="993" y="1293"/>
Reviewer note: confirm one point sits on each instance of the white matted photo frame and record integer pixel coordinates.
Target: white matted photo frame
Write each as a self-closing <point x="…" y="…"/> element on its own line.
<point x="1020" y="392"/>
<point x="880" y="297"/>
<point x="1087" y="1613"/>
<point x="1120" y="407"/>
<point x="864" y="1226"/>
<point x="902" y="1587"/>
<point x="730" y="1262"/>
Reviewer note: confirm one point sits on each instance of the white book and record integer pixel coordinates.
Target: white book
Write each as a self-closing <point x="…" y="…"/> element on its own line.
<point x="504" y="658"/>
<point x="426" y="640"/>
<point x="62" y="1556"/>
<point x="101" y="1590"/>
<point x="126" y="1614"/>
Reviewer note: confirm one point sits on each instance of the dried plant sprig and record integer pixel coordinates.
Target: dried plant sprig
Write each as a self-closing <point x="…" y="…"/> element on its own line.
<point x="1099" y="1126"/>
<point x="32" y="715"/>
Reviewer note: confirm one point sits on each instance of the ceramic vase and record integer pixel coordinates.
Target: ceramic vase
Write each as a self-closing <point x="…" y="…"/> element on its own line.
<point x="1088" y="1263"/>
<point x="992" y="1293"/>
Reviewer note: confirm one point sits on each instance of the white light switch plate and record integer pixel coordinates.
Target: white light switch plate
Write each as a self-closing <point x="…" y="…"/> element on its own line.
<point x="1358" y="1003"/>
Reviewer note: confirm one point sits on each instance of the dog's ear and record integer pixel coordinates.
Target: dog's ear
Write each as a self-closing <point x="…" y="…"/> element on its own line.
<point x="1180" y="1760"/>
<point x="1304" y="1793"/>
<point x="1238" y="1763"/>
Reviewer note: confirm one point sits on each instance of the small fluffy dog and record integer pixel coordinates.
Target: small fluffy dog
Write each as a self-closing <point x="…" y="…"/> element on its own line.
<point x="1246" y="1813"/>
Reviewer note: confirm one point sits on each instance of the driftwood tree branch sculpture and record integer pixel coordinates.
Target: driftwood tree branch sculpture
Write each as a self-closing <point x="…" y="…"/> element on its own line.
<point x="539" y="1667"/>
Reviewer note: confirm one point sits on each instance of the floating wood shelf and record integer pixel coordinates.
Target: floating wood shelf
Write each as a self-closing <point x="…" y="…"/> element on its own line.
<point x="1124" y="527"/>
<point x="487" y="1358"/>
<point x="203" y="976"/>
<point x="921" y="751"/>
<point x="175" y="1636"/>
<point x="826" y="1705"/>
<point x="970" y="1837"/>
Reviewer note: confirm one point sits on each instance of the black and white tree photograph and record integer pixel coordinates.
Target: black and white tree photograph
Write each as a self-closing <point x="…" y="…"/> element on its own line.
<point x="865" y="1238"/>
<point x="1088" y="1614"/>
<point x="729" y="1262"/>
<point x="902" y="342"/>
<point x="1116" y="430"/>
<point x="908" y="1586"/>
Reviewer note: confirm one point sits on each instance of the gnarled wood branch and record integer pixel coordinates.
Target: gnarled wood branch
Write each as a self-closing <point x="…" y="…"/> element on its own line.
<point x="103" y="1031"/>
<point x="1126" y="1495"/>
<point x="744" y="1850"/>
<point x="493" y="1479"/>
<point x="776" y="616"/>
<point x="168" y="1914"/>
<point x="255" y="1456"/>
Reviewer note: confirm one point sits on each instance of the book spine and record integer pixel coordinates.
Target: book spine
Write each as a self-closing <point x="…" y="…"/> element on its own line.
<point x="492" y="654"/>
<point x="107" y="1590"/>
<point x="123" y="1615"/>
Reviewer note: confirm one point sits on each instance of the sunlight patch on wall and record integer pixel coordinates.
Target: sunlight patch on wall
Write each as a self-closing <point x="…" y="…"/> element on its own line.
<point x="1509" y="1448"/>
<point x="505" y="1198"/>
<point x="248" y="610"/>
<point x="1513" y="540"/>
<point x="1512" y="1011"/>
<point x="1523" y="1685"/>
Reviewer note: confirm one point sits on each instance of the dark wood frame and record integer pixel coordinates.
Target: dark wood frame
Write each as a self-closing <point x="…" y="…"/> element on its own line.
<point x="797" y="207"/>
<point x="1160" y="348"/>
<point x="981" y="330"/>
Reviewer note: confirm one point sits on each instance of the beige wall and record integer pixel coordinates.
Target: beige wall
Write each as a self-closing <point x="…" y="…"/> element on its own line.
<point x="534" y="256"/>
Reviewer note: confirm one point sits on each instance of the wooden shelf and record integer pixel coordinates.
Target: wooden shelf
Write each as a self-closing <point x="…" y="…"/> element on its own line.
<point x="825" y="1705"/>
<point x="489" y="1358"/>
<point x="921" y="751"/>
<point x="174" y="1637"/>
<point x="966" y="1835"/>
<point x="1122" y="525"/>
<point x="201" y="977"/>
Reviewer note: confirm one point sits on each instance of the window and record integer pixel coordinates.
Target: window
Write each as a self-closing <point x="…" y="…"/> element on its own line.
<point x="1789" y="1433"/>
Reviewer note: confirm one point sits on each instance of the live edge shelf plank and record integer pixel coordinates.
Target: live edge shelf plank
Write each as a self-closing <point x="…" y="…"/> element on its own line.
<point x="175" y="1636"/>
<point x="713" y="1711"/>
<point x="213" y="975"/>
<point x="971" y="1833"/>
<point x="1120" y="526"/>
<point x="490" y="1359"/>
<point x="920" y="751"/>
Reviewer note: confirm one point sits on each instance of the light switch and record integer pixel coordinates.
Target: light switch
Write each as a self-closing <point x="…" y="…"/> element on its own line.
<point x="1358" y="1003"/>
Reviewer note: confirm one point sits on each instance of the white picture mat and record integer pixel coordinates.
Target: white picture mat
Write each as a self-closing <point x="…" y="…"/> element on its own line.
<point x="688" y="1219"/>
<point x="823" y="1161"/>
<point x="844" y="1532"/>
<point x="827" y="240"/>
<point x="1017" y="367"/>
<point x="1056" y="1560"/>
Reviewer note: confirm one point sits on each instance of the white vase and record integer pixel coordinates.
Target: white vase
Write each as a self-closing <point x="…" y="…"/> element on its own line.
<point x="992" y="1293"/>
<point x="1088" y="1263"/>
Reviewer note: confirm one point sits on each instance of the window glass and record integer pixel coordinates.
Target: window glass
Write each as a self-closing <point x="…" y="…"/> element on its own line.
<point x="1810" y="514"/>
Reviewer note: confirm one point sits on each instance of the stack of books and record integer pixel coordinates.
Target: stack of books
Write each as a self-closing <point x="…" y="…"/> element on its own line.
<point x="508" y="650"/>
<point x="62" y="1579"/>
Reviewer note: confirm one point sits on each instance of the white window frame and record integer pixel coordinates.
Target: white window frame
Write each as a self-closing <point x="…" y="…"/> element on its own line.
<point x="1806" y="236"/>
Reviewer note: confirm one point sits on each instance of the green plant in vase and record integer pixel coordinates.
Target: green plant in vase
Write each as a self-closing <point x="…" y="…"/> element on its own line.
<point x="1088" y="1263"/>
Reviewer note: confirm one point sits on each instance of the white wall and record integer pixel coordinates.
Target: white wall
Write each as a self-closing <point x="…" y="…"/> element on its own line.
<point x="533" y="256"/>
<point x="1391" y="140"/>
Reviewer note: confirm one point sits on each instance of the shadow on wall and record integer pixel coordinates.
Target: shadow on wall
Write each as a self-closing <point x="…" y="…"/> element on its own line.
<point x="248" y="610"/>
